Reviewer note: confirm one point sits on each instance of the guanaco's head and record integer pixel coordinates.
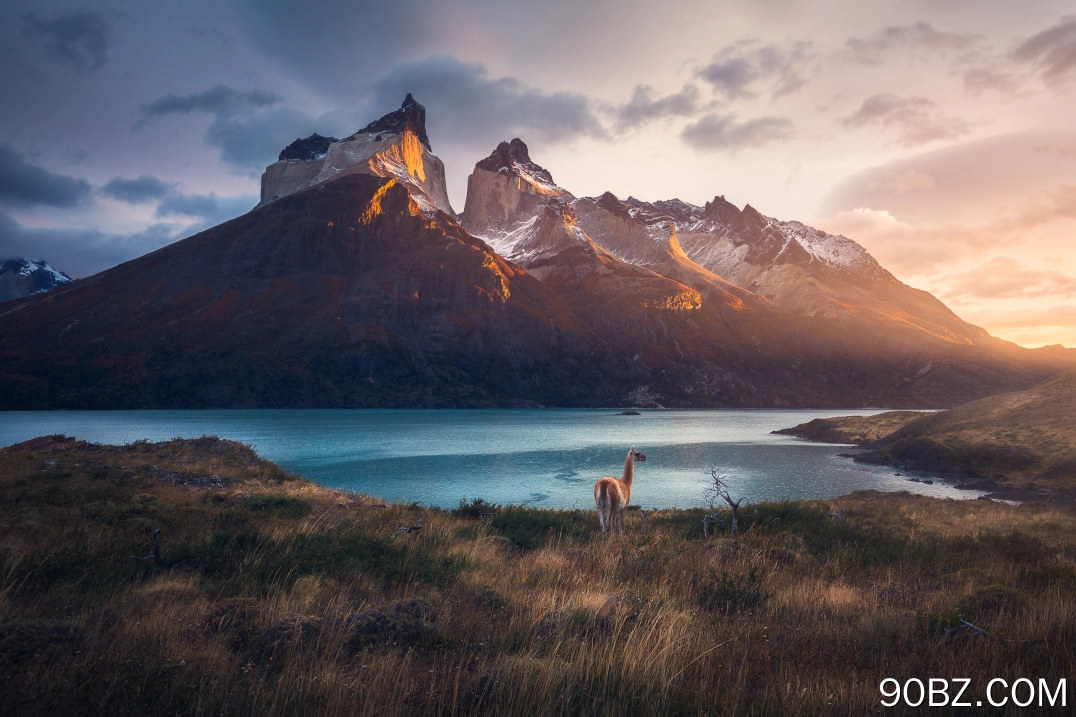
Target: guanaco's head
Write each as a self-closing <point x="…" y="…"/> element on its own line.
<point x="636" y="455"/>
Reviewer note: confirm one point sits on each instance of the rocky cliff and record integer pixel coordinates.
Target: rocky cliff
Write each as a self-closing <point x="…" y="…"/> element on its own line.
<point x="394" y="146"/>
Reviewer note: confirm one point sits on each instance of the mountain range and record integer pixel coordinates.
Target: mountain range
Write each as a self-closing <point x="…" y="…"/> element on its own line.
<point x="26" y="277"/>
<point x="355" y="283"/>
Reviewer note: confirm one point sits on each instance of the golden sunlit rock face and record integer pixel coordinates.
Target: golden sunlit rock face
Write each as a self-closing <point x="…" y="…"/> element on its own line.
<point x="397" y="151"/>
<point x="407" y="155"/>
<point x="684" y="301"/>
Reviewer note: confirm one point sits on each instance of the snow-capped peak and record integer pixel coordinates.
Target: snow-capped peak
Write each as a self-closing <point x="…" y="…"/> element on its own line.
<point x="24" y="277"/>
<point x="834" y="250"/>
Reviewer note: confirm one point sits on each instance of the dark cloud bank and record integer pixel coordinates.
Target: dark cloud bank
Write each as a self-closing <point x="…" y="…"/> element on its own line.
<point x="80" y="39"/>
<point x="25" y="185"/>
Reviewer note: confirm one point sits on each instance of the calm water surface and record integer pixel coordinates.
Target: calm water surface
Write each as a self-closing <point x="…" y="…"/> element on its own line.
<point x="547" y="458"/>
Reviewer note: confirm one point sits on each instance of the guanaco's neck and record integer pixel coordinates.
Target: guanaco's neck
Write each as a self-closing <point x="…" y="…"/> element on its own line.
<point x="629" y="470"/>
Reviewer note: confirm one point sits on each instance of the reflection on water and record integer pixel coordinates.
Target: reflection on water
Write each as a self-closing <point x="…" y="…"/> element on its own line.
<point x="534" y="457"/>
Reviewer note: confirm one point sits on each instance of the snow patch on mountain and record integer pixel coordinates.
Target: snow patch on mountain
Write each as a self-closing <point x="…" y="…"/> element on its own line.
<point x="25" y="277"/>
<point x="514" y="244"/>
<point x="835" y="250"/>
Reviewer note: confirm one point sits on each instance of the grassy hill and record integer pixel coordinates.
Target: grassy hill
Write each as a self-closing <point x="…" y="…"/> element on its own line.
<point x="1023" y="442"/>
<point x="852" y="429"/>
<point x="274" y="596"/>
<point x="1026" y="435"/>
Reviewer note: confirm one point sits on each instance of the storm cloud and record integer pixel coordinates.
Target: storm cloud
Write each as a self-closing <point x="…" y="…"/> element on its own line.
<point x="248" y="127"/>
<point x="79" y="251"/>
<point x="714" y="132"/>
<point x="743" y="69"/>
<point x="209" y="208"/>
<point x="1052" y="52"/>
<point x="137" y="191"/>
<point x="219" y="100"/>
<point x="916" y="120"/>
<point x="919" y="36"/>
<point x="471" y="107"/>
<point x="80" y="39"/>
<point x="23" y="184"/>
<point x="646" y="105"/>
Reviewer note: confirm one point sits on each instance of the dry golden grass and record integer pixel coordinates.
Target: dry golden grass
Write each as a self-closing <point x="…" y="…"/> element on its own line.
<point x="275" y="596"/>
<point x="1022" y="442"/>
<point x="853" y="429"/>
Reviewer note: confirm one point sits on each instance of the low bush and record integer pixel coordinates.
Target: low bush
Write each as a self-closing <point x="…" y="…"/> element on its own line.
<point x="732" y="595"/>
<point x="530" y="529"/>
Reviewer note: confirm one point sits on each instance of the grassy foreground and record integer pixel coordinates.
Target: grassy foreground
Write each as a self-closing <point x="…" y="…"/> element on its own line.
<point x="275" y="596"/>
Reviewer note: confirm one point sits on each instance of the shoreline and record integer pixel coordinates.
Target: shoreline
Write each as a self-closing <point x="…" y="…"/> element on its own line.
<point x="871" y="434"/>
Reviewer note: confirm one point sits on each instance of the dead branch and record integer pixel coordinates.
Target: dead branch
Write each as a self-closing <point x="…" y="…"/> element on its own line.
<point x="838" y="516"/>
<point x="717" y="491"/>
<point x="967" y="629"/>
<point x="407" y="529"/>
<point x="706" y="521"/>
<point x="155" y="556"/>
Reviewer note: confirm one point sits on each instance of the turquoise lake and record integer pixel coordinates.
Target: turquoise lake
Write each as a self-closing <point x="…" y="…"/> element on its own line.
<point x="547" y="458"/>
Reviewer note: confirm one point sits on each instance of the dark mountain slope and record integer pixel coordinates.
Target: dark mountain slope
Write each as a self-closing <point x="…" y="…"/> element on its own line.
<point x="345" y="294"/>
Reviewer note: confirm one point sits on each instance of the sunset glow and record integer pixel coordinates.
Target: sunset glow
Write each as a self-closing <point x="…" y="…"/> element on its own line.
<point x="937" y="135"/>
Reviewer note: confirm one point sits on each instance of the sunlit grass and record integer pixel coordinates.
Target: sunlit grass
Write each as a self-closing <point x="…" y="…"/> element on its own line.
<point x="276" y="596"/>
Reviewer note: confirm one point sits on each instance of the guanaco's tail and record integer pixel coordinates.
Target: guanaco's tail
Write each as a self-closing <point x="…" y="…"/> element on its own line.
<point x="602" y="503"/>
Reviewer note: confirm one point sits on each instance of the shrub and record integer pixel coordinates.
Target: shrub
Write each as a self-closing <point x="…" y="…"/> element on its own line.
<point x="730" y="595"/>
<point x="937" y="623"/>
<point x="1050" y="576"/>
<point x="992" y="599"/>
<point x="278" y="504"/>
<point x="474" y="508"/>
<point x="531" y="529"/>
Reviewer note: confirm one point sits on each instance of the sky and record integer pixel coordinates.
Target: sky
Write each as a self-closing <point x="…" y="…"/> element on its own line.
<point x="938" y="135"/>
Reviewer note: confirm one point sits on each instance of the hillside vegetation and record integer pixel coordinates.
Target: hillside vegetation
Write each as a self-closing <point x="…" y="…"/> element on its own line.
<point x="852" y="429"/>
<point x="1028" y="435"/>
<point x="1023" y="443"/>
<point x="273" y="596"/>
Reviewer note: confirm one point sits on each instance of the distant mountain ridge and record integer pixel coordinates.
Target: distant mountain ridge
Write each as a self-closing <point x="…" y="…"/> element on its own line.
<point x="26" y="277"/>
<point x="355" y="284"/>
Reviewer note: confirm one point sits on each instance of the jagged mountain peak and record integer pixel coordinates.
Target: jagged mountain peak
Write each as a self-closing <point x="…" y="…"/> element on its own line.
<point x="754" y="216"/>
<point x="611" y="204"/>
<point x="721" y="210"/>
<point x="410" y="117"/>
<point x="508" y="153"/>
<point x="515" y="158"/>
<point x="394" y="146"/>
<point x="303" y="150"/>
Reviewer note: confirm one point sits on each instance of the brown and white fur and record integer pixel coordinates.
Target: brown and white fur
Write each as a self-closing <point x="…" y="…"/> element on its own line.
<point x="611" y="495"/>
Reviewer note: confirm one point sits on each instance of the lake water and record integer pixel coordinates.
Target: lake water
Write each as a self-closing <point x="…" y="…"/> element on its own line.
<point x="547" y="458"/>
